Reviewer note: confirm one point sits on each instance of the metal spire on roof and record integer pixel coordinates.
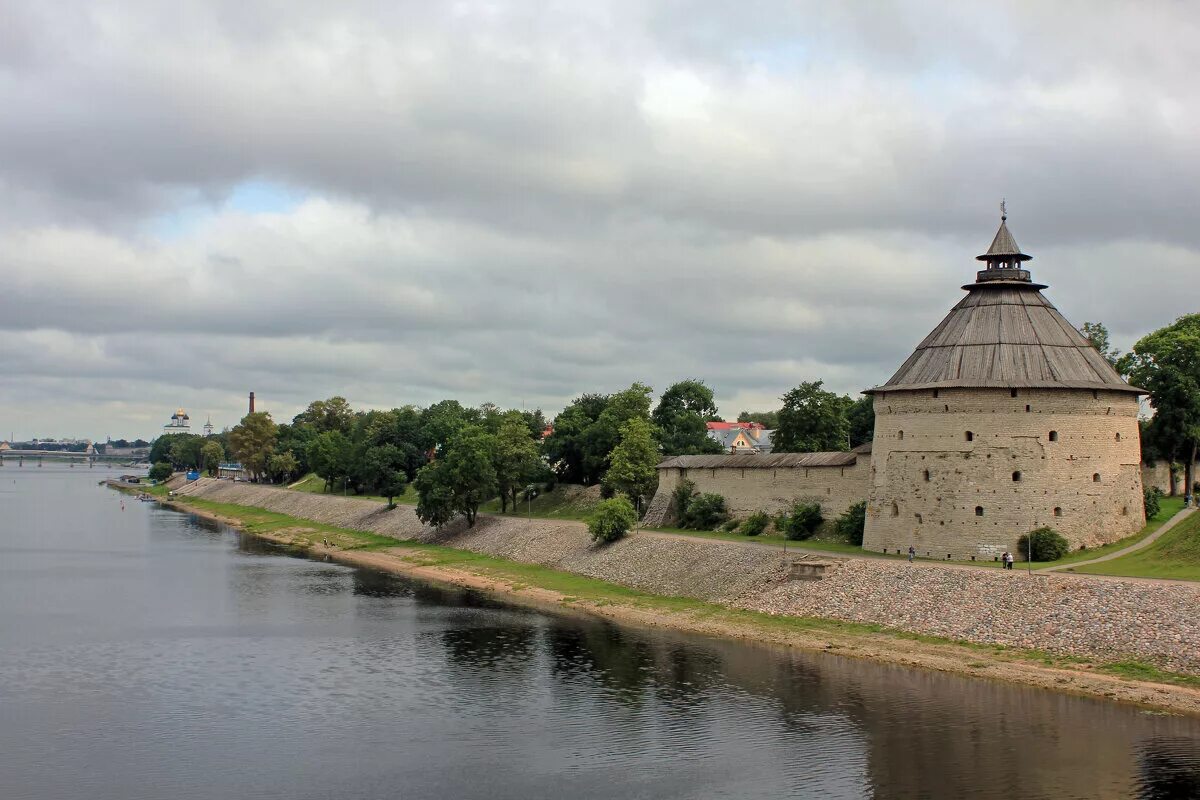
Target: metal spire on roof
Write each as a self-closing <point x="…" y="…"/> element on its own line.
<point x="1004" y="252"/>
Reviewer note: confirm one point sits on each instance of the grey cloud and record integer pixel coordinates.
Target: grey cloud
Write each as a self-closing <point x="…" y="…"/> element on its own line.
<point x="520" y="203"/>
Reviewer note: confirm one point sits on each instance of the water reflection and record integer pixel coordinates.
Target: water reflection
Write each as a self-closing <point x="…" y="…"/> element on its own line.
<point x="1169" y="769"/>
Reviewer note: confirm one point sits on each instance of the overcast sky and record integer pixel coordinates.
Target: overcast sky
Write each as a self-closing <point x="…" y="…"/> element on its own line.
<point x="519" y="202"/>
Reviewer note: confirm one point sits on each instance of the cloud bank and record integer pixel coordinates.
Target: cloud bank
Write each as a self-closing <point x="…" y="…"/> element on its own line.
<point x="519" y="202"/>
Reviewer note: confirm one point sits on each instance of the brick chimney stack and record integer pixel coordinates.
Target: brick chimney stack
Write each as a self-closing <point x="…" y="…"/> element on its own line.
<point x="252" y="402"/>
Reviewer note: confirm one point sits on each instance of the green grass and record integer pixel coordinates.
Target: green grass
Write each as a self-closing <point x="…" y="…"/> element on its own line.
<point x="554" y="504"/>
<point x="1175" y="556"/>
<point x="313" y="485"/>
<point x="576" y="588"/>
<point x="1168" y="508"/>
<point x="776" y="540"/>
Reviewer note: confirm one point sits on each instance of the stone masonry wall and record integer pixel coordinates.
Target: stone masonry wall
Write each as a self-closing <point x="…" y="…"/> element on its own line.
<point x="1100" y="618"/>
<point x="771" y="490"/>
<point x="965" y="473"/>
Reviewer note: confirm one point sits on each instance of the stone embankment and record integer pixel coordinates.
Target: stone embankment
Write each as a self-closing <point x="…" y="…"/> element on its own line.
<point x="1098" y="618"/>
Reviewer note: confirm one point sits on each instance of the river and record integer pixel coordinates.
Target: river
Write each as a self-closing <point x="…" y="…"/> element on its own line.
<point x="145" y="653"/>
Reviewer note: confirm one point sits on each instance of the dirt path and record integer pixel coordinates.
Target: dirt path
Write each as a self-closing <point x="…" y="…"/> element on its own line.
<point x="1133" y="548"/>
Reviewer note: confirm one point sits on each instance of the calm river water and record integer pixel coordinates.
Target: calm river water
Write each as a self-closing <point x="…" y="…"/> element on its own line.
<point x="146" y="654"/>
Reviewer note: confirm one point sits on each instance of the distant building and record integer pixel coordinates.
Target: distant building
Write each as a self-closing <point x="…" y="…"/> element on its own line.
<point x="232" y="470"/>
<point x="208" y="427"/>
<point x="180" y="423"/>
<point x="741" y="437"/>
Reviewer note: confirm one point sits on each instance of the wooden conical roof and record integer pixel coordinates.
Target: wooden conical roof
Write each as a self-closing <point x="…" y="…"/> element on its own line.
<point x="1005" y="334"/>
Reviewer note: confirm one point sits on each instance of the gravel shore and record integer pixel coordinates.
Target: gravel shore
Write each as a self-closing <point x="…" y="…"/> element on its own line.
<point x="1099" y="618"/>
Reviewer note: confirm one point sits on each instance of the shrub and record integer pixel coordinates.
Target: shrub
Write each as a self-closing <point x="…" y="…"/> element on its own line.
<point x="803" y="522"/>
<point x="755" y="524"/>
<point x="1048" y="545"/>
<point x="730" y="525"/>
<point x="680" y="498"/>
<point x="612" y="519"/>
<point x="160" y="471"/>
<point x="852" y="524"/>
<point x="1151" y="495"/>
<point x="705" y="512"/>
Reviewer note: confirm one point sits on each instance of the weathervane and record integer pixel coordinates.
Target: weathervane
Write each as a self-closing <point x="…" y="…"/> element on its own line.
<point x="1003" y="210"/>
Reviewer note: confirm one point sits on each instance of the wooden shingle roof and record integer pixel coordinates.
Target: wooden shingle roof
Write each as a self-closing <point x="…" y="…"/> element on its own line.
<point x="1005" y="334"/>
<point x="761" y="461"/>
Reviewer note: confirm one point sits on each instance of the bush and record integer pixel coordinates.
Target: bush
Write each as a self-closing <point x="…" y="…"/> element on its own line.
<point x="705" y="512"/>
<point x="730" y="525"/>
<point x="680" y="498"/>
<point x="1048" y="545"/>
<point x="160" y="471"/>
<point x="612" y="519"/>
<point x="755" y="524"/>
<point x="803" y="522"/>
<point x="1151" y="495"/>
<point x="851" y="525"/>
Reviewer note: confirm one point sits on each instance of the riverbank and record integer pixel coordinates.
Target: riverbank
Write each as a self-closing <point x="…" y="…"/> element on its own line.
<point x="1124" y="680"/>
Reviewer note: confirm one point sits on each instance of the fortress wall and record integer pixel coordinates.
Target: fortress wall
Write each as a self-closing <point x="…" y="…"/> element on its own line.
<point x="928" y="479"/>
<point x="771" y="490"/>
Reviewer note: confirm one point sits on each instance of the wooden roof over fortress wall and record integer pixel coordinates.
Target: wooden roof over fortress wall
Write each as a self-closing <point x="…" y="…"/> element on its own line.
<point x="761" y="461"/>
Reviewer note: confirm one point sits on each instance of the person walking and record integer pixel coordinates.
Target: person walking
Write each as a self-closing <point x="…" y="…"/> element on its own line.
<point x="912" y="551"/>
<point x="1008" y="560"/>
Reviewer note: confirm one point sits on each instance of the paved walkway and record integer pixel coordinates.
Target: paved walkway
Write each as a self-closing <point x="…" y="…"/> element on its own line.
<point x="1133" y="548"/>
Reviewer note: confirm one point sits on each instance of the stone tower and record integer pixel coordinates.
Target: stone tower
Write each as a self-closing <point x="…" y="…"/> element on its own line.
<point x="1003" y="420"/>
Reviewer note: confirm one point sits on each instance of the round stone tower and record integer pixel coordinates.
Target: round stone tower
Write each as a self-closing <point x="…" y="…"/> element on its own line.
<point x="1004" y="419"/>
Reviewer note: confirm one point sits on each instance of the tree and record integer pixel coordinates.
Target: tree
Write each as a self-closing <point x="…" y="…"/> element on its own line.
<point x="680" y="417"/>
<point x="768" y="419"/>
<point x="1048" y="545"/>
<point x="567" y="448"/>
<point x="253" y="442"/>
<point x="212" y="454"/>
<point x="334" y="414"/>
<point x="611" y="519"/>
<point x="295" y="439"/>
<point x="384" y="467"/>
<point x="185" y="450"/>
<point x="803" y="522"/>
<point x="281" y="467"/>
<point x="441" y="421"/>
<point x="705" y="512"/>
<point x="160" y="471"/>
<point x="634" y="462"/>
<point x="586" y="432"/>
<point x="516" y="458"/>
<point x="1097" y="334"/>
<point x="329" y="456"/>
<point x="1166" y="363"/>
<point x="460" y="481"/>
<point x="851" y="524"/>
<point x="861" y="419"/>
<point x="812" y="420"/>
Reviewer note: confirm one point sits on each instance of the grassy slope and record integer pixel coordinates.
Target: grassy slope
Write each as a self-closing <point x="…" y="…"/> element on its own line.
<point x="574" y="587"/>
<point x="1176" y="555"/>
<point x="312" y="484"/>
<point x="547" y="505"/>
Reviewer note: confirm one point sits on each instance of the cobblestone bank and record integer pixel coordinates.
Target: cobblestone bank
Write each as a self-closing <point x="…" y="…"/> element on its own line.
<point x="1090" y="617"/>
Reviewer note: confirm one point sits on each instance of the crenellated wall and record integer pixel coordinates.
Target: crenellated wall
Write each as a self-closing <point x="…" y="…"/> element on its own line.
<point x="963" y="473"/>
